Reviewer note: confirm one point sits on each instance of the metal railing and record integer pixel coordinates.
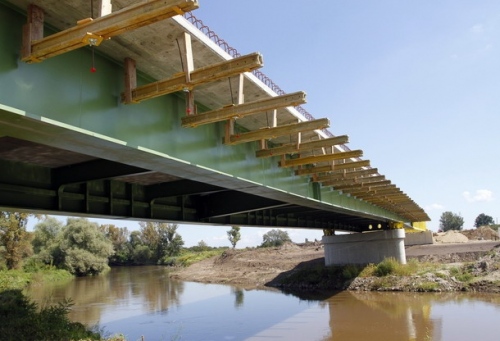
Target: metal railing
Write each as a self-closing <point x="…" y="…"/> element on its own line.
<point x="234" y="53"/>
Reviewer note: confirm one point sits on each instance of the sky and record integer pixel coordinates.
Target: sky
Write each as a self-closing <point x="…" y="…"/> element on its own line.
<point x="415" y="85"/>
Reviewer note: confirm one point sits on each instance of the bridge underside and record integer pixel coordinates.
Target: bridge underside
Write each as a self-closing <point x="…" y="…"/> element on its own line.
<point x="38" y="175"/>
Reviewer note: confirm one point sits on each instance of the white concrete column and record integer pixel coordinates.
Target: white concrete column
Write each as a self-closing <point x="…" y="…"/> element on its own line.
<point x="364" y="248"/>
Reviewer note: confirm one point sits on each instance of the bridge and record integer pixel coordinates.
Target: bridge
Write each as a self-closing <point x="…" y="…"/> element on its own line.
<point x="138" y="110"/>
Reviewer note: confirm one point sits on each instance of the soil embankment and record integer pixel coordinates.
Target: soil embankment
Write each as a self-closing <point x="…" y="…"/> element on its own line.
<point x="455" y="266"/>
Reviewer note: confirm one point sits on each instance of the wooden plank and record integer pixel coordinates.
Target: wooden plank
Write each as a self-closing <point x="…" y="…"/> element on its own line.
<point x="306" y="146"/>
<point x="330" y="168"/>
<point x="199" y="76"/>
<point x="321" y="158"/>
<point x="245" y="109"/>
<point x="382" y="191"/>
<point x="126" y="19"/>
<point x="355" y="181"/>
<point x="268" y="133"/>
<point x="367" y="186"/>
<point x="346" y="175"/>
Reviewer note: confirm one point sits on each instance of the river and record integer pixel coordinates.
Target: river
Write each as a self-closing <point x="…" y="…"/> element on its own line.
<point x="144" y="302"/>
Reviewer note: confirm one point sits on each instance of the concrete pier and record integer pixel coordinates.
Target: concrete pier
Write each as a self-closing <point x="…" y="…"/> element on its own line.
<point x="364" y="248"/>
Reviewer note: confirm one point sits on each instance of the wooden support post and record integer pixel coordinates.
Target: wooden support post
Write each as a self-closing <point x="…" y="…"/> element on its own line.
<point x="245" y="109"/>
<point x="127" y="19"/>
<point x="303" y="147"/>
<point x="130" y="79"/>
<point x="229" y="130"/>
<point x="187" y="61"/>
<point x="199" y="76"/>
<point x="321" y="158"/>
<point x="269" y="133"/>
<point x="32" y="30"/>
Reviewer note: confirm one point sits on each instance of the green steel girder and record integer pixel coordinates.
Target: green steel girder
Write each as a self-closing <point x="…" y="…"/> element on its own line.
<point x="232" y="203"/>
<point x="93" y="170"/>
<point x="181" y="200"/>
<point x="180" y="187"/>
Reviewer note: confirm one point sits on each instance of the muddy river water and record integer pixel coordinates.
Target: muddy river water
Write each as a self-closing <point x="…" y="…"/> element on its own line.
<point x="143" y="302"/>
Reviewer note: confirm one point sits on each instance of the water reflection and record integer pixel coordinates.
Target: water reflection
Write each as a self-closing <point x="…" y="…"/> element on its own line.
<point x="143" y="301"/>
<point x="148" y="287"/>
<point x="383" y="316"/>
<point x="239" y="296"/>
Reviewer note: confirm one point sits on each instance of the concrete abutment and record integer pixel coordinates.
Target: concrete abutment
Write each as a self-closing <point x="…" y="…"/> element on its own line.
<point x="364" y="248"/>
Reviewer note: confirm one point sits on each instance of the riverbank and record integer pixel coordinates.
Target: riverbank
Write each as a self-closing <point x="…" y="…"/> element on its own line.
<point x="301" y="268"/>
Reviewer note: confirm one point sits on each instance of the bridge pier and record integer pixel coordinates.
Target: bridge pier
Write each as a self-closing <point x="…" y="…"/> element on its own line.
<point x="364" y="248"/>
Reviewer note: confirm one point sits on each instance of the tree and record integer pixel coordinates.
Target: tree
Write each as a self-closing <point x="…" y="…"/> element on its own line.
<point x="450" y="221"/>
<point x="45" y="240"/>
<point x="275" y="238"/>
<point x="234" y="235"/>
<point x="170" y="241"/>
<point x="84" y="247"/>
<point x="161" y="238"/>
<point x="119" y="238"/>
<point x="14" y="238"/>
<point x="483" y="220"/>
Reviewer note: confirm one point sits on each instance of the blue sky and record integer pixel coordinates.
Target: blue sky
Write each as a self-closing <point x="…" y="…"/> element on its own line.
<point x="415" y="85"/>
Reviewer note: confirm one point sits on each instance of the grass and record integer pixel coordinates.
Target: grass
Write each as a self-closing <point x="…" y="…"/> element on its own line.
<point x="188" y="258"/>
<point x="19" y="279"/>
<point x="391" y="266"/>
<point x="462" y="274"/>
<point x="427" y="286"/>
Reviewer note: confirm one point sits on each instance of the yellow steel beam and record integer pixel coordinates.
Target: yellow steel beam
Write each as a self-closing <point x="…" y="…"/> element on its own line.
<point x="245" y="109"/>
<point x="199" y="76"/>
<point x="127" y="19"/>
<point x="321" y="158"/>
<point x="301" y="147"/>
<point x="269" y="133"/>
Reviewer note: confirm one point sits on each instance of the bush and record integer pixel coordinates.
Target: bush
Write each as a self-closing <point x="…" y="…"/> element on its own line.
<point x="21" y="320"/>
<point x="275" y="238"/>
<point x="386" y="267"/>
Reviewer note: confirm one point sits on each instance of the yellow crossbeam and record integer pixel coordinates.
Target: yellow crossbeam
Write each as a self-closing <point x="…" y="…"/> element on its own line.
<point x="346" y="175"/>
<point x="306" y="146"/>
<point x="245" y="109"/>
<point x="332" y="168"/>
<point x="358" y="182"/>
<point x="367" y="186"/>
<point x="269" y="133"/>
<point x="127" y="19"/>
<point x="197" y="77"/>
<point x="320" y="158"/>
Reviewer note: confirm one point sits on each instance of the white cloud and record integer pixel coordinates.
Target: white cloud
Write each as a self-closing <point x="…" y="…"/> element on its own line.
<point x="434" y="206"/>
<point x="479" y="196"/>
<point x="477" y="29"/>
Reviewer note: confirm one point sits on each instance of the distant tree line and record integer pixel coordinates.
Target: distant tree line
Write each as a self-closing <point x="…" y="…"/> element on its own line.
<point x="85" y="248"/>
<point x="452" y="221"/>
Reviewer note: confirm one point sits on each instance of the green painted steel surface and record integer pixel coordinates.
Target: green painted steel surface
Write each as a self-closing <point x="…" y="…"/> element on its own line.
<point x="63" y="89"/>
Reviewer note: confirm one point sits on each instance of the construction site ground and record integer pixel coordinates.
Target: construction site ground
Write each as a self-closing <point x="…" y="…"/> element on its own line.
<point x="262" y="267"/>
